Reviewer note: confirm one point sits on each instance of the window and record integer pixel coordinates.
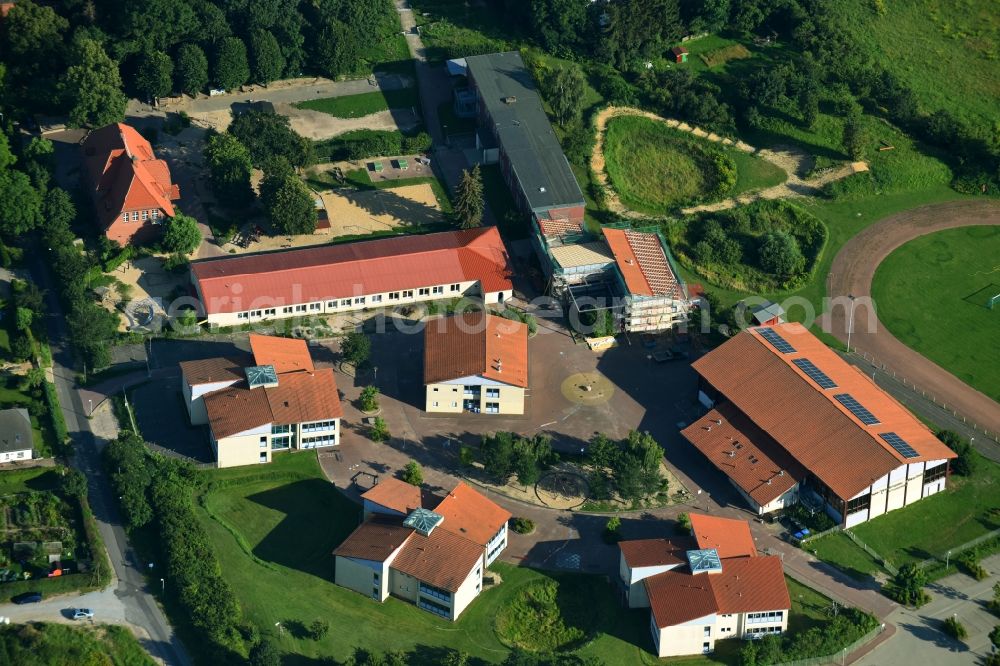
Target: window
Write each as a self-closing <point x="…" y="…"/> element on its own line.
<point x="314" y="306"/>
<point x="20" y="454"/>
<point x="393" y="295"/>
<point x="438" y="290"/>
<point x="359" y="300"/>
<point x="435" y="403"/>
<point x="328" y="439"/>
<point x="145" y="215"/>
<point x="242" y="315"/>
<point x="455" y="287"/>
<point x="124" y="217"/>
<point x="281" y="442"/>
<point x="493" y="408"/>
<point x="708" y="632"/>
<point x="765" y="618"/>
<point x="492" y="393"/>
<point x="263" y="442"/>
<point x="424" y="291"/>
<point x="331" y="304"/>
<point x="377" y="298"/>
<point x="454" y="404"/>
<point x="286" y="309"/>
<point x="472" y="390"/>
<point x="300" y="308"/>
<point x="435" y="592"/>
<point x="155" y="214"/>
<point x="408" y="293"/>
<point x="280" y="429"/>
<point x="434" y="607"/>
<point x="256" y="313"/>
<point x="934" y="473"/>
<point x="859" y="504"/>
<point x="435" y="389"/>
<point x="705" y="647"/>
<point x="376" y="576"/>
<point x="345" y="303"/>
<point x="263" y="457"/>
<point x="269" y="311"/>
<point x="135" y="216"/>
<point x="318" y="425"/>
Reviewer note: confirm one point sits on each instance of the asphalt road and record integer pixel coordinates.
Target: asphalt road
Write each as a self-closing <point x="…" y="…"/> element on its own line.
<point x="136" y="606"/>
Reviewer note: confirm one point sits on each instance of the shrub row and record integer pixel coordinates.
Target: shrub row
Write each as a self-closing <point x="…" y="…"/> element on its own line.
<point x="361" y="144"/>
<point x="55" y="412"/>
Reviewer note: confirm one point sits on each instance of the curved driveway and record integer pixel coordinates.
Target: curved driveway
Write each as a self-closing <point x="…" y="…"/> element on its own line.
<point x="852" y="272"/>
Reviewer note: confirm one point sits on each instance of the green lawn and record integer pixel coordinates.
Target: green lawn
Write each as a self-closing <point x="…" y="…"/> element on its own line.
<point x="360" y="179"/>
<point x="40" y="644"/>
<point x="946" y="50"/>
<point x="23" y="480"/>
<point x="753" y="173"/>
<point x="356" y="106"/>
<point x="839" y="550"/>
<point x="950" y="273"/>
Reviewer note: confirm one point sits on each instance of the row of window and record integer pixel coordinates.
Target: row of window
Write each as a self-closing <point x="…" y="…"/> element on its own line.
<point x="492" y="408"/>
<point x="757" y="632"/>
<point x="319" y="425"/>
<point x="20" y="454"/>
<point x="153" y="214"/>
<point x="771" y="617"/>
<point x="934" y="473"/>
<point x="454" y="404"/>
<point x="283" y="442"/>
<point x="322" y="440"/>
<point x="316" y="306"/>
<point x="496" y="549"/>
<point x="436" y="592"/>
<point x="435" y="608"/>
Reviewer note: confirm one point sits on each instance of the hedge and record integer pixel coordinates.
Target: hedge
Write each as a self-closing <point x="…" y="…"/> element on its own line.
<point x="361" y="144"/>
<point x="55" y="412"/>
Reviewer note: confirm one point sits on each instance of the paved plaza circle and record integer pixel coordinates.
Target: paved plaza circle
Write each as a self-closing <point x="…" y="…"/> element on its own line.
<point x="587" y="388"/>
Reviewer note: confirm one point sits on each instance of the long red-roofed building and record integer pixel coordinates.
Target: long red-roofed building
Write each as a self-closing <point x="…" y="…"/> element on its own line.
<point x="333" y="279"/>
<point x="790" y="420"/>
<point x="704" y="588"/>
<point x="131" y="188"/>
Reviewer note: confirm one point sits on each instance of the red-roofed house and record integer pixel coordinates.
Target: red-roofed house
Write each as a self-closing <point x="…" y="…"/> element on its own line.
<point x="475" y="362"/>
<point x="333" y="279"/>
<point x="706" y="588"/>
<point x="273" y="401"/>
<point x="791" y="420"/>
<point x="422" y="548"/>
<point x="132" y="189"/>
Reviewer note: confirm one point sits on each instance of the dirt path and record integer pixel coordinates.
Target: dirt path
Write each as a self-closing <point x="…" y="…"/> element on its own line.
<point x="792" y="161"/>
<point x="852" y="272"/>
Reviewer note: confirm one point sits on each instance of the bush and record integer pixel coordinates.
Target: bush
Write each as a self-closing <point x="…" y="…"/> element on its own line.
<point x="908" y="586"/>
<point x="369" y="398"/>
<point x="967" y="460"/>
<point x="969" y="561"/>
<point x="466" y="455"/>
<point x="380" y="431"/>
<point x="361" y="144"/>
<point x="522" y="525"/>
<point x="611" y="533"/>
<point x="356" y="348"/>
<point x="995" y="635"/>
<point x="954" y="628"/>
<point x="684" y="524"/>
<point x="412" y="474"/>
<point x="182" y="235"/>
<point x="55" y="413"/>
<point x="319" y="629"/>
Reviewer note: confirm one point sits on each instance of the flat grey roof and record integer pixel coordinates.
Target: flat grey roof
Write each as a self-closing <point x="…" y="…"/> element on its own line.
<point x="524" y="130"/>
<point x="15" y="430"/>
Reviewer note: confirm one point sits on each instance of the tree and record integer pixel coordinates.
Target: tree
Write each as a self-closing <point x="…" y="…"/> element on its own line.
<point x="967" y="459"/>
<point x="908" y="585"/>
<point x="231" y="67"/>
<point x="380" y="431"/>
<point x="337" y="51"/>
<point x="268" y="62"/>
<point x="412" y="474"/>
<point x="92" y="87"/>
<point x="74" y="483"/>
<point x="684" y="523"/>
<point x="154" y="75"/>
<point x="92" y="329"/>
<point x="356" y="348"/>
<point x="182" y="234"/>
<point x="369" y="398"/>
<point x="469" y="201"/>
<point x="498" y="456"/>
<point x="564" y="90"/>
<point x="191" y="70"/>
<point x="23" y="318"/>
<point x="559" y="24"/>
<point x="602" y="452"/>
<point x="611" y="530"/>
<point x="20" y="205"/>
<point x="264" y="653"/>
<point x="267" y="135"/>
<point x="229" y="168"/>
<point x="319" y="629"/>
<point x="858" y="138"/>
<point x="289" y="204"/>
<point x="779" y="254"/>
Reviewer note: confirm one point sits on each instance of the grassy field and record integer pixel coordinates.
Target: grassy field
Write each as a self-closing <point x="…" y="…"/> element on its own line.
<point x="356" y="106"/>
<point x="23" y="480"/>
<point x="946" y="50"/>
<point x="40" y="644"/>
<point x="274" y="531"/>
<point x="655" y="168"/>
<point x="952" y="272"/>
<point x="839" y="550"/>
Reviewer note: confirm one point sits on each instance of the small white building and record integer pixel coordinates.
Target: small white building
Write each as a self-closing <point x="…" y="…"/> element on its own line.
<point x="15" y="435"/>
<point x="432" y="557"/>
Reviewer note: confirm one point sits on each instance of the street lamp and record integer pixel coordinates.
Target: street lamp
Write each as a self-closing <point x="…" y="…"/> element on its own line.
<point x="850" y="323"/>
<point x="947" y="559"/>
<point x="163" y="586"/>
<point x="280" y="628"/>
<point x="91" y="401"/>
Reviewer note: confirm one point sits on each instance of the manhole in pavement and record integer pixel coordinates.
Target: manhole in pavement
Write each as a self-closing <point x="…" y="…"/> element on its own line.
<point x="587" y="388"/>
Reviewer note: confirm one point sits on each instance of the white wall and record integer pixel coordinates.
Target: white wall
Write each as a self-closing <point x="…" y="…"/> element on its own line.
<point x="359" y="575"/>
<point x="687" y="638"/>
<point x="496" y="545"/>
<point x="467" y="591"/>
<point x="11" y="456"/>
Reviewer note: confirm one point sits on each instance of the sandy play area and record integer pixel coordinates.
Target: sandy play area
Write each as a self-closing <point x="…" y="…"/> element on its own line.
<point x="362" y="212"/>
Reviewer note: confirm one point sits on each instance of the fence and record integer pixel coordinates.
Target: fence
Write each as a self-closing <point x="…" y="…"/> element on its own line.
<point x="878" y="558"/>
<point x="957" y="550"/>
<point x="837" y="657"/>
<point x="813" y="537"/>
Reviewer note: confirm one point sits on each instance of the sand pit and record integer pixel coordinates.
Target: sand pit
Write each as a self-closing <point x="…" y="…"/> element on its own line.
<point x="366" y="211"/>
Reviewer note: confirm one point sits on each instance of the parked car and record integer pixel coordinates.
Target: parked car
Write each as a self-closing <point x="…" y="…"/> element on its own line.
<point x="663" y="355"/>
<point x="83" y="614"/>
<point x="28" y="598"/>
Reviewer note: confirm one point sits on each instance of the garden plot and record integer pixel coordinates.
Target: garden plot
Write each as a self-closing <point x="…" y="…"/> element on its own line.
<point x="369" y="211"/>
<point x="37" y="535"/>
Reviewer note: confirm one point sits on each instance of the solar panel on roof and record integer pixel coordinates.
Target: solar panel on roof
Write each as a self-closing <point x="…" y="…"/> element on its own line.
<point x="854" y="407"/>
<point x="898" y="443"/>
<point x="778" y="342"/>
<point x="814" y="373"/>
<point x="261" y="375"/>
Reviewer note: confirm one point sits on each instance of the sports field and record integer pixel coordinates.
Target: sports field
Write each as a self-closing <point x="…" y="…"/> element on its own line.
<point x="932" y="294"/>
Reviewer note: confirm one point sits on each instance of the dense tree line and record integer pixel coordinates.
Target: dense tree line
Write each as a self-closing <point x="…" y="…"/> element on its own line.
<point x="71" y="57"/>
<point x="157" y="493"/>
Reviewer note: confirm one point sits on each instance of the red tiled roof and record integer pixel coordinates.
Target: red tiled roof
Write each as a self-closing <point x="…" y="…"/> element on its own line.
<point x="807" y="421"/>
<point x="642" y="262"/>
<point x="394" y="494"/>
<point x="5" y="9"/>
<point x="443" y="559"/>
<point x="285" y="354"/>
<point x="470" y="514"/>
<point x="299" y="397"/>
<point x="375" y="540"/>
<point x="729" y="536"/>
<point x="234" y="284"/>
<point x="559" y="226"/>
<point x="211" y="370"/>
<point x="476" y="343"/>
<point x="745" y="453"/>
<point x="744" y="585"/>
<point x="655" y="552"/>
<point x="125" y="173"/>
